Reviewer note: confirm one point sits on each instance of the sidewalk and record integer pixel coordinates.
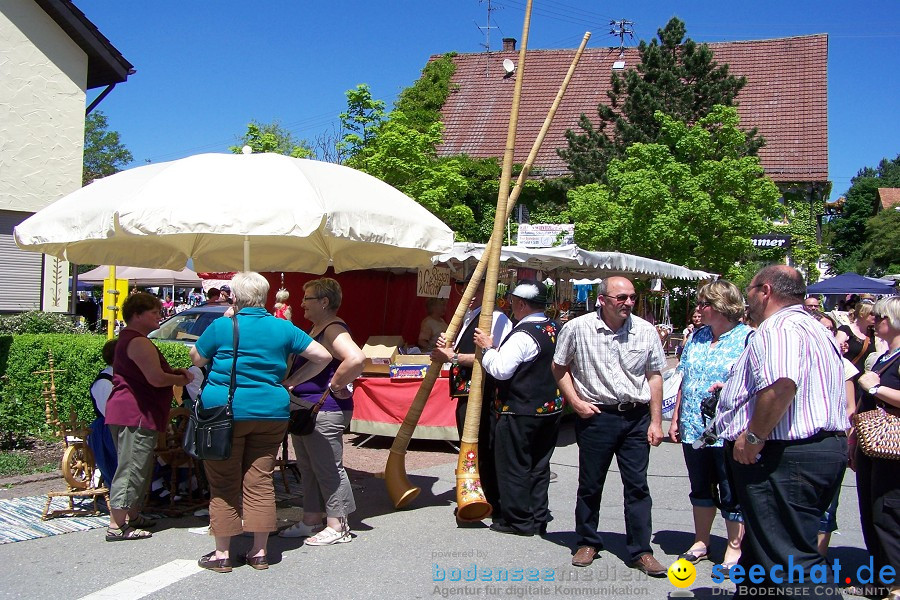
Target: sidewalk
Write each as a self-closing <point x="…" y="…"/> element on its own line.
<point x="414" y="553"/>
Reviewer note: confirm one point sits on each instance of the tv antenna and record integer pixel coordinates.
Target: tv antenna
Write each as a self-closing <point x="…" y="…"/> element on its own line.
<point x="486" y="30"/>
<point x="621" y="28"/>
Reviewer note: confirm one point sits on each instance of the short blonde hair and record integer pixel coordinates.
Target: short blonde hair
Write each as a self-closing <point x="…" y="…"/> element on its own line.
<point x="863" y="309"/>
<point x="326" y="287"/>
<point x="249" y="289"/>
<point x="890" y="308"/>
<point x="724" y="297"/>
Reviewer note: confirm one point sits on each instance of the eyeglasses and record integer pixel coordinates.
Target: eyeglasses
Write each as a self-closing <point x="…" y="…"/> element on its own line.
<point x="623" y="297"/>
<point x="880" y="317"/>
<point x="311" y="298"/>
<point x="755" y="285"/>
<point x="704" y="304"/>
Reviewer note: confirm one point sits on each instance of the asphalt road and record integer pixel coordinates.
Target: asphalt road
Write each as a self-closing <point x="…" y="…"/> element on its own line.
<point x="414" y="553"/>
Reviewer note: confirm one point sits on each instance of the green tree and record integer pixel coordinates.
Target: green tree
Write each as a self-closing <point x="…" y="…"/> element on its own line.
<point x="421" y="102"/>
<point x="676" y="76"/>
<point x="360" y="121"/>
<point x="272" y="137"/>
<point x="693" y="199"/>
<point x="883" y="240"/>
<point x="847" y="233"/>
<point x="104" y="153"/>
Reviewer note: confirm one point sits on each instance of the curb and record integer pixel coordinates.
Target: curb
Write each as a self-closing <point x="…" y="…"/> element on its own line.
<point x="32" y="478"/>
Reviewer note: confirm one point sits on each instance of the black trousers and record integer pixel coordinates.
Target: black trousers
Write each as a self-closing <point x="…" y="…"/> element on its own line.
<point x="782" y="497"/>
<point x="600" y="437"/>
<point x="523" y="446"/>
<point x="878" y="487"/>
<point x="486" y="469"/>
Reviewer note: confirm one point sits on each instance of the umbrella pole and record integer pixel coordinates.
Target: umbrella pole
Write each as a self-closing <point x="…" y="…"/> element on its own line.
<point x="401" y="491"/>
<point x="246" y="253"/>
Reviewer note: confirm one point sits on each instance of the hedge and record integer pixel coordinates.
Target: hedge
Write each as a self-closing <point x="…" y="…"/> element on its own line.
<point x="77" y="356"/>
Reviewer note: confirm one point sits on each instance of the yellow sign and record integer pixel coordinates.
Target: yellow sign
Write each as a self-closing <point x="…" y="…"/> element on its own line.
<point x="114" y="295"/>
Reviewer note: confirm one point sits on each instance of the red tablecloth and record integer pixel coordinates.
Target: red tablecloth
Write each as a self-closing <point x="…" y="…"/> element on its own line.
<point x="380" y="404"/>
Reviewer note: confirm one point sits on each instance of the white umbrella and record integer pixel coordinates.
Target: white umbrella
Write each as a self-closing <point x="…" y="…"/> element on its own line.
<point x="277" y="213"/>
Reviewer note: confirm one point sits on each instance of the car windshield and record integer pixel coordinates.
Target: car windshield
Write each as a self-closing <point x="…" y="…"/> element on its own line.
<point x="185" y="327"/>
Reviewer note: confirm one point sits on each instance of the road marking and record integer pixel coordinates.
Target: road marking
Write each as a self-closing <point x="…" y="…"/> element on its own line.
<point x="148" y="582"/>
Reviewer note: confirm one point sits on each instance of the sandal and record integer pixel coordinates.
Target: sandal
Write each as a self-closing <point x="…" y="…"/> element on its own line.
<point x="126" y="532"/>
<point x="329" y="536"/>
<point x="694" y="555"/>
<point x="725" y="568"/>
<point x="142" y="522"/>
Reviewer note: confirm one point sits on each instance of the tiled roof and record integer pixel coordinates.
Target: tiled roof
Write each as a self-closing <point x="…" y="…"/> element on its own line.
<point x="890" y="197"/>
<point x="785" y="97"/>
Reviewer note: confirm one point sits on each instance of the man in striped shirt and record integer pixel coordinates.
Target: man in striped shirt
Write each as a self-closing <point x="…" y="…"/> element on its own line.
<point x="783" y="415"/>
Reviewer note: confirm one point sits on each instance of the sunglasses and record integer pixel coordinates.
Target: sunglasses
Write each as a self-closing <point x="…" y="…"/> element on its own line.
<point x="880" y="317"/>
<point x="623" y="297"/>
<point x="704" y="304"/>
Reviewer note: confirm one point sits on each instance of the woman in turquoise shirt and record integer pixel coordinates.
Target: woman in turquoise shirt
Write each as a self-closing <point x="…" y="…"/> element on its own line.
<point x="242" y="494"/>
<point x="707" y="359"/>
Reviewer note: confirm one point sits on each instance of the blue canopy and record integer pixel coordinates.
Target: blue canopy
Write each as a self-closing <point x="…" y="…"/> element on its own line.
<point x="851" y="283"/>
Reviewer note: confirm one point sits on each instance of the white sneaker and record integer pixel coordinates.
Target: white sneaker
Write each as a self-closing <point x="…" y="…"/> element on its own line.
<point x="300" y="530"/>
<point x="329" y="536"/>
<point x="200" y="530"/>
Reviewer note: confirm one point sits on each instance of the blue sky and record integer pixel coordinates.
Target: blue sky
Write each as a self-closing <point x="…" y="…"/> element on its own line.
<point x="205" y="69"/>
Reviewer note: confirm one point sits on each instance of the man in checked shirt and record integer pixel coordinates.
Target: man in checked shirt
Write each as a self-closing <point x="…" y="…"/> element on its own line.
<point x="783" y="415"/>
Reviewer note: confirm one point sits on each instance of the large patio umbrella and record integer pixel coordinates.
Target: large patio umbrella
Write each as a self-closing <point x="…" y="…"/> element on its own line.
<point x="267" y="212"/>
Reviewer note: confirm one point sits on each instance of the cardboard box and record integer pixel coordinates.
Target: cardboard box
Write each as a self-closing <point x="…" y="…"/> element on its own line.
<point x="408" y="371"/>
<point x="412" y="359"/>
<point x="380" y="351"/>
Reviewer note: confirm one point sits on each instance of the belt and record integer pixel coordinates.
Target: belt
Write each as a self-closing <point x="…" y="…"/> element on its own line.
<point x="621" y="407"/>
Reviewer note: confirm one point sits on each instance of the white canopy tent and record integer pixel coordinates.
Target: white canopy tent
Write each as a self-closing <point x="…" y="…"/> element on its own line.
<point x="570" y="261"/>
<point x="144" y="277"/>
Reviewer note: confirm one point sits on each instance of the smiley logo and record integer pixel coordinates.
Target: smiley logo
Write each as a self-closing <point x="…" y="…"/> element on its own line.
<point x="682" y="573"/>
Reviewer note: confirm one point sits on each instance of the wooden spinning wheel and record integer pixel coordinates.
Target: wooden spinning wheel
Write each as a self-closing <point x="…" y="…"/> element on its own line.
<point x="77" y="466"/>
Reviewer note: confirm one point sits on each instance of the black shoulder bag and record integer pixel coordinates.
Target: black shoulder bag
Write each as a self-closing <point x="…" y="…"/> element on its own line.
<point x="209" y="431"/>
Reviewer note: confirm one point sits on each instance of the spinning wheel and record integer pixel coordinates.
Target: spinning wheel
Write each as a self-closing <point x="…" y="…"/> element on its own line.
<point x="78" y="466"/>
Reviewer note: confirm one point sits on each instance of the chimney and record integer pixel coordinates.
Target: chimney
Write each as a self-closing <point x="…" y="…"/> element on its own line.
<point x="509" y="44"/>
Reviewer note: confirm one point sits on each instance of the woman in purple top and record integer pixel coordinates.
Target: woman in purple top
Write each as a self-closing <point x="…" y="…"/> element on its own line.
<point x="327" y="496"/>
<point x="137" y="409"/>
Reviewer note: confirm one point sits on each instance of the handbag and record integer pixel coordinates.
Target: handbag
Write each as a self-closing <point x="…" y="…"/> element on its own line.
<point x="878" y="434"/>
<point x="878" y="431"/>
<point x="209" y="431"/>
<point x="303" y="420"/>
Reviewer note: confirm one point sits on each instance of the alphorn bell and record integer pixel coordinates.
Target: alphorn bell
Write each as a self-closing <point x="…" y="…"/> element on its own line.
<point x="400" y="489"/>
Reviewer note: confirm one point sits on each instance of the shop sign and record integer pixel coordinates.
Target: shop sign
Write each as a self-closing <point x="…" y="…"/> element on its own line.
<point x="772" y="240"/>
<point x="545" y="235"/>
<point x="433" y="282"/>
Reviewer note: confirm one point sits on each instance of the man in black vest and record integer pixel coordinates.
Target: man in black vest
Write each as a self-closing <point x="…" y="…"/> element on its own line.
<point x="461" y="356"/>
<point x="527" y="408"/>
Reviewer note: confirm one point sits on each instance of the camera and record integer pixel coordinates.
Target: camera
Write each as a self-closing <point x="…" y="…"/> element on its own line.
<point x="708" y="411"/>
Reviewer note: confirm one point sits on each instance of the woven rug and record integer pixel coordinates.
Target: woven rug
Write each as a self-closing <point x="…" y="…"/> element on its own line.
<point x="20" y="518"/>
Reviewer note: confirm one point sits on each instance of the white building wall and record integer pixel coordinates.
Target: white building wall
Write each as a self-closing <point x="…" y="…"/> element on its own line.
<point x="43" y="76"/>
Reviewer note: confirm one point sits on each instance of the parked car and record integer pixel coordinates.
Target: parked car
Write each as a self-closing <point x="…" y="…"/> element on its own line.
<point x="186" y="326"/>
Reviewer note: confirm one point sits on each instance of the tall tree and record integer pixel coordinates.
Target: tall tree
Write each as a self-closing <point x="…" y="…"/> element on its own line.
<point x="693" y="198"/>
<point x="360" y="121"/>
<point x="272" y="137"/>
<point x="847" y="232"/>
<point x="676" y="76"/>
<point x="883" y="232"/>
<point x="104" y="153"/>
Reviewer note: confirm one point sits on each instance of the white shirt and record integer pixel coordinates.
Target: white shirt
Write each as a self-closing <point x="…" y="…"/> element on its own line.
<point x="517" y="349"/>
<point x="500" y="325"/>
<point x="101" y="389"/>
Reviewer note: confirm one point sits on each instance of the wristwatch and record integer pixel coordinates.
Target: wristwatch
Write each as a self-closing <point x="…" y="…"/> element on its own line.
<point x="455" y="359"/>
<point x="874" y="389"/>
<point x="753" y="439"/>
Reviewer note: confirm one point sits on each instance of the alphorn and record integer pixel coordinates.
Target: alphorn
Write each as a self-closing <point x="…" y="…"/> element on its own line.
<point x="400" y="490"/>
<point x="471" y="504"/>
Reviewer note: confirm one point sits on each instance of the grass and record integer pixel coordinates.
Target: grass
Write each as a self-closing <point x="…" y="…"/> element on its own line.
<point x="22" y="463"/>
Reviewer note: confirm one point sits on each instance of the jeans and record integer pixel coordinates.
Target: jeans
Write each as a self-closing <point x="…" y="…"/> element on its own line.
<point x="600" y="437"/>
<point x="707" y="471"/>
<point x="783" y="496"/>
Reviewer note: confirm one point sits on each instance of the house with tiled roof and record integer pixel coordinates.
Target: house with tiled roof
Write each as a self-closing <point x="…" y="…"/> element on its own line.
<point x="888" y="198"/>
<point x="785" y="98"/>
<point x="50" y="55"/>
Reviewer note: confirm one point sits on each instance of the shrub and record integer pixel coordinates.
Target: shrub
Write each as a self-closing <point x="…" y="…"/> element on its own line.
<point x="78" y="359"/>
<point x="38" y="322"/>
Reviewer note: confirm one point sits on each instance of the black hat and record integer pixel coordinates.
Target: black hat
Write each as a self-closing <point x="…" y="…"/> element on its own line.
<point x="531" y="290"/>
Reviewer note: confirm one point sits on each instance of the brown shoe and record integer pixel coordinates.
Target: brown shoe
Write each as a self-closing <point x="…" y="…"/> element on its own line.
<point x="649" y="565"/>
<point x="584" y="556"/>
